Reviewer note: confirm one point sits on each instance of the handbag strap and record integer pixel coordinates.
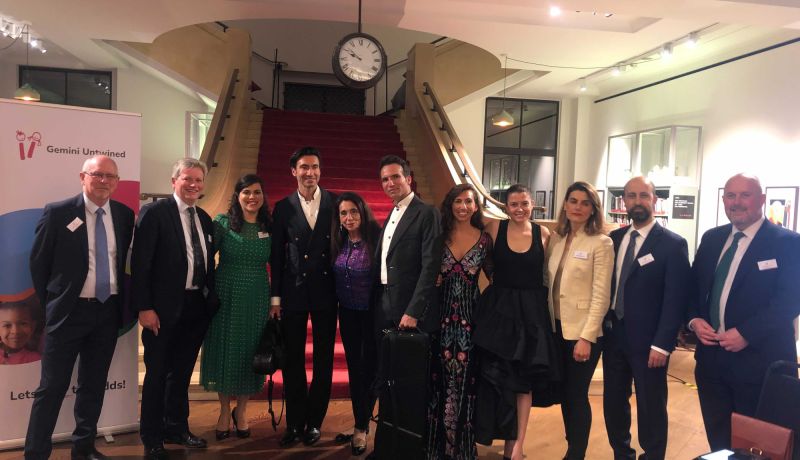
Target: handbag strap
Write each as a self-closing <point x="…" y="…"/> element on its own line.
<point x="270" y="386"/>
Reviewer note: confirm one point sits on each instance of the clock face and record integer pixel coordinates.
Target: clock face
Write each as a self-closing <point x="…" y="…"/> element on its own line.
<point x="359" y="60"/>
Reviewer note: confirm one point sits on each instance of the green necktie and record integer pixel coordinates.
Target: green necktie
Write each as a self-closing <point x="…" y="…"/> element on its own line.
<point x="720" y="275"/>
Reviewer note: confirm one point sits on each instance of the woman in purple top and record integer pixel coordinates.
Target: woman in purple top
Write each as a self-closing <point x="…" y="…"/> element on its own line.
<point x="355" y="238"/>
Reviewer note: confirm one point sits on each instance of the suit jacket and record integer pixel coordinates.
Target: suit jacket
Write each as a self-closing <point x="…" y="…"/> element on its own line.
<point x="59" y="259"/>
<point x="301" y="257"/>
<point x="656" y="292"/>
<point x="412" y="265"/>
<point x="762" y="303"/>
<point x="159" y="261"/>
<point x="585" y="283"/>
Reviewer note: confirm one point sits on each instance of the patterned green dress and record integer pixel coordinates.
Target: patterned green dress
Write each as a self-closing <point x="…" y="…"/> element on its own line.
<point x="243" y="289"/>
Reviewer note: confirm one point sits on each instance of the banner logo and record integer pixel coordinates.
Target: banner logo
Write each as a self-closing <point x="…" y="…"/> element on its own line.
<point x="35" y="141"/>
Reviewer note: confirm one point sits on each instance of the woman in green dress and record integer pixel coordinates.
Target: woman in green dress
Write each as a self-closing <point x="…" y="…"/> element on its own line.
<point x="243" y="240"/>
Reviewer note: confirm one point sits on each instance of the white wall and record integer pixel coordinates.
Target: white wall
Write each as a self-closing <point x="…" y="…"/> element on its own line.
<point x="163" y="110"/>
<point x="748" y="110"/>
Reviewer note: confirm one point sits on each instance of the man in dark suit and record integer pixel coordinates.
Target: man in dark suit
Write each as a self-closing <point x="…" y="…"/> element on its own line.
<point x="649" y="292"/>
<point x="747" y="279"/>
<point x="409" y="255"/>
<point x="407" y="258"/>
<point x="172" y="268"/>
<point x="77" y="265"/>
<point x="303" y="286"/>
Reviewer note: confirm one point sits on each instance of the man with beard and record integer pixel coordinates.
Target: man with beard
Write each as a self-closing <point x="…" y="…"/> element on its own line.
<point x="649" y="293"/>
<point x="746" y="275"/>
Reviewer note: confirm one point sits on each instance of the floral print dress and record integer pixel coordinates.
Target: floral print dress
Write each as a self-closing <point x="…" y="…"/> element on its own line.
<point x="453" y="367"/>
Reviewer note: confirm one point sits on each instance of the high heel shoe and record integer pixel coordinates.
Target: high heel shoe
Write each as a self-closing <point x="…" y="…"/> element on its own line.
<point x="221" y="435"/>
<point x="239" y="433"/>
<point x="358" y="443"/>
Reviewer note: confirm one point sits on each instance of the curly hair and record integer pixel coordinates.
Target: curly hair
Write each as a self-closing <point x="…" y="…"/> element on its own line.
<point x="369" y="228"/>
<point x="448" y="219"/>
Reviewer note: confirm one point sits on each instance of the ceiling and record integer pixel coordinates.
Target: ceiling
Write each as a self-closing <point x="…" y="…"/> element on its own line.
<point x="589" y="34"/>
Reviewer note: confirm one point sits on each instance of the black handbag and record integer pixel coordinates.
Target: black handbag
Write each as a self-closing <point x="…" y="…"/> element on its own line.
<point x="269" y="358"/>
<point x="269" y="355"/>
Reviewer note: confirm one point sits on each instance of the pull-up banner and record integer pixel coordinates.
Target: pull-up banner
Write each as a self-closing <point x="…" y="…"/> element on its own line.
<point x="42" y="150"/>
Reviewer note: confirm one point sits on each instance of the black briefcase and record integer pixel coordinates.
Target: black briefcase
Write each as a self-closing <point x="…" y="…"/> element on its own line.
<point x="403" y="389"/>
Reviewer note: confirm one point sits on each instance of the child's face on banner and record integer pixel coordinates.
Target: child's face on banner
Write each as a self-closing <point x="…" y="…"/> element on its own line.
<point x="16" y="328"/>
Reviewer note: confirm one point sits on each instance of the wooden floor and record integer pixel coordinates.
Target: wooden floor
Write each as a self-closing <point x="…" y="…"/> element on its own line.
<point x="544" y="439"/>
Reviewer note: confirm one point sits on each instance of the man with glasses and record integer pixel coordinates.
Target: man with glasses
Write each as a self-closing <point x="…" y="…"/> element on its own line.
<point x="77" y="264"/>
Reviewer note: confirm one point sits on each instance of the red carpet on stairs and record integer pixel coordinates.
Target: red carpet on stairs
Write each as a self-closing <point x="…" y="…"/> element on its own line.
<point x="351" y="148"/>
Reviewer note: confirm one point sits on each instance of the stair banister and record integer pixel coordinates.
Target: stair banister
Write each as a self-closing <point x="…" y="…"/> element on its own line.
<point x="456" y="157"/>
<point x="218" y="122"/>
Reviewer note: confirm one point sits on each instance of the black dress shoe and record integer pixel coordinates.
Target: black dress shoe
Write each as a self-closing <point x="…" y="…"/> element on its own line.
<point x="311" y="437"/>
<point x="87" y="454"/>
<point x="291" y="436"/>
<point x="156" y="452"/>
<point x="239" y="433"/>
<point x="220" y="435"/>
<point x="186" y="439"/>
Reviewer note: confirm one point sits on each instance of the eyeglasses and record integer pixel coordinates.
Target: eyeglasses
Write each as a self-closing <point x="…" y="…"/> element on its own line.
<point x="102" y="176"/>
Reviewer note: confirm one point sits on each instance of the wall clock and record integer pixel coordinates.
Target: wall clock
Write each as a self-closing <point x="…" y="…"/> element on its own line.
<point x="359" y="60"/>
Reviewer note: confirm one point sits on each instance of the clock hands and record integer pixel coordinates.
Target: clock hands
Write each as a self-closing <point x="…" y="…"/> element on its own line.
<point x="353" y="54"/>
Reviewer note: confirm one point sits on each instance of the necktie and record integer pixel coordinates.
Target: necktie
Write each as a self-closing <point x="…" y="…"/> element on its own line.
<point x="199" y="267"/>
<point x="627" y="264"/>
<point x="102" y="276"/>
<point x="720" y="275"/>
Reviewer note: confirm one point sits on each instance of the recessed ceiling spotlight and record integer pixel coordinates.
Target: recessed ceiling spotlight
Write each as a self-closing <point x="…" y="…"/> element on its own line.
<point x="44" y="50"/>
<point x="666" y="51"/>
<point x="691" y="40"/>
<point x="555" y="11"/>
<point x="582" y="86"/>
<point x="34" y="43"/>
<point x="616" y="70"/>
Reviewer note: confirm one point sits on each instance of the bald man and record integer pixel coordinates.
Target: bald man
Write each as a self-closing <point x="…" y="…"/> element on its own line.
<point x="747" y="278"/>
<point x="77" y="264"/>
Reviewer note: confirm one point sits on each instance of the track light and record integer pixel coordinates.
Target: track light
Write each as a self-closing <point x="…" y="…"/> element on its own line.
<point x="691" y="40"/>
<point x="582" y="86"/>
<point x="616" y="70"/>
<point x="666" y="51"/>
<point x="555" y="11"/>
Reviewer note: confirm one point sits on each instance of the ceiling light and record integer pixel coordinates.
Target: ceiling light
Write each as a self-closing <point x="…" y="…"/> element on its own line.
<point x="582" y="86"/>
<point x="27" y="93"/>
<point x="44" y="50"/>
<point x="34" y="43"/>
<point x="666" y="51"/>
<point x="691" y="40"/>
<point x="555" y="11"/>
<point x="615" y="71"/>
<point x="503" y="118"/>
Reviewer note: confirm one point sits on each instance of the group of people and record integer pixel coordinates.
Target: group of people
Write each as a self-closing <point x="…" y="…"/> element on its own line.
<point x="555" y="302"/>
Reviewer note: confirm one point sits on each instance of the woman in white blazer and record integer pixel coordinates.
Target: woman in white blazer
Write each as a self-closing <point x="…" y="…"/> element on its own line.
<point x="580" y="260"/>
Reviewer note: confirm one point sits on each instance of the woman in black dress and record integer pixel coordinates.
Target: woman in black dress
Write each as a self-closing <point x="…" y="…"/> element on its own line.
<point x="518" y="354"/>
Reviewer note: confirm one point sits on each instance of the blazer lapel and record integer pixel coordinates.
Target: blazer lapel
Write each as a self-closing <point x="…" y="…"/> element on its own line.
<point x="409" y="216"/>
<point x="177" y="226"/>
<point x="749" y="260"/>
<point x="82" y="233"/>
<point x="294" y="200"/>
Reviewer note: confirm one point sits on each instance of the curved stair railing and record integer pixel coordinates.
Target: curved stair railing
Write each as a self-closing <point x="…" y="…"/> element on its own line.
<point x="453" y="152"/>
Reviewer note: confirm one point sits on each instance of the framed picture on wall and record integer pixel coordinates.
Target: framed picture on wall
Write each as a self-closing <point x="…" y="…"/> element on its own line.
<point x="781" y="206"/>
<point x="722" y="218"/>
<point x="539" y="198"/>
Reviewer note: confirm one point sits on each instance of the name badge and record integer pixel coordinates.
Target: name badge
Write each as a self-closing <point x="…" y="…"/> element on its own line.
<point x="72" y="226"/>
<point x="263" y="235"/>
<point x="770" y="264"/>
<point x="580" y="255"/>
<point x="645" y="259"/>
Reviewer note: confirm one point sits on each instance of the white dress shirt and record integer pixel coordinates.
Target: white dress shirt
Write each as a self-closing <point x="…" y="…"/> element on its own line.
<point x="394" y="219"/>
<point x="744" y="243"/>
<point x="183" y="211"/>
<point x="88" y="289"/>
<point x="623" y="247"/>
<point x="310" y="208"/>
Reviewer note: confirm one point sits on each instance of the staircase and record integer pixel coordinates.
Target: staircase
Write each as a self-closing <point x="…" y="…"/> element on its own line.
<point x="351" y="147"/>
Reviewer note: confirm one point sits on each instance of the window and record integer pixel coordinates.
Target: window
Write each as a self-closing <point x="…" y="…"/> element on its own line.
<point x="524" y="152"/>
<point x="84" y="88"/>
